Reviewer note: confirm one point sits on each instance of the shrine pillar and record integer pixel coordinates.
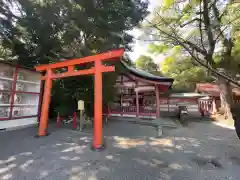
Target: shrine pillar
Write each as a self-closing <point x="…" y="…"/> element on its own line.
<point x="97" y="142"/>
<point x="42" y="131"/>
<point x="121" y="96"/>
<point x="157" y="102"/>
<point x="137" y="104"/>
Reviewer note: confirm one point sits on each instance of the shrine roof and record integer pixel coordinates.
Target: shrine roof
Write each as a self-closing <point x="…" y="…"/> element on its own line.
<point x="146" y="75"/>
<point x="213" y="89"/>
<point x="14" y="64"/>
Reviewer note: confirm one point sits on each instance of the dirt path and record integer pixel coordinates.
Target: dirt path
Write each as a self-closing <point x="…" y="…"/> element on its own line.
<point x="200" y="151"/>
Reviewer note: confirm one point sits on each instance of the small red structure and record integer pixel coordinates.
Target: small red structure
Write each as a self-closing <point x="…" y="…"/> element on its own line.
<point x="97" y="71"/>
<point x="212" y="104"/>
<point x="138" y="93"/>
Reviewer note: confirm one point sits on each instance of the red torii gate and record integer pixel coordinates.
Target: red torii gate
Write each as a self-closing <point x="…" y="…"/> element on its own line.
<point x="97" y="70"/>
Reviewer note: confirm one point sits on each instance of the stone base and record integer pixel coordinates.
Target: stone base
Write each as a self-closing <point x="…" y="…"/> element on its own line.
<point x="159" y="131"/>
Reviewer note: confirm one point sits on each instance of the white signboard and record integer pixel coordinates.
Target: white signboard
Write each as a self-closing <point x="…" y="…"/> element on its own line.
<point x="81" y="105"/>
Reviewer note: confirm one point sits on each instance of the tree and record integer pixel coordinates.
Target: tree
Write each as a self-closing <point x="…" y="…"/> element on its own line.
<point x="185" y="73"/>
<point x="47" y="31"/>
<point x="204" y="30"/>
<point x="146" y="63"/>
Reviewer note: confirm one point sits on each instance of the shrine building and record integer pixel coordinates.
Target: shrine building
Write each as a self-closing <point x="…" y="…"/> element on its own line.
<point x="138" y="93"/>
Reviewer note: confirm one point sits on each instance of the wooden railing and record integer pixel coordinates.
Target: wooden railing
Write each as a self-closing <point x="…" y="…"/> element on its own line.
<point x="147" y="109"/>
<point x="114" y="108"/>
<point x="143" y="110"/>
<point x="205" y="106"/>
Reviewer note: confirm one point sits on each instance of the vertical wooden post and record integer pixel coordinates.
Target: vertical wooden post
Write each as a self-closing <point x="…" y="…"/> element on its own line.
<point x="58" y="121"/>
<point x="97" y="141"/>
<point x="137" y="104"/>
<point x="75" y="120"/>
<point x="42" y="131"/>
<point x="81" y="120"/>
<point x="158" y="102"/>
<point x="168" y="103"/>
<point x="121" y="96"/>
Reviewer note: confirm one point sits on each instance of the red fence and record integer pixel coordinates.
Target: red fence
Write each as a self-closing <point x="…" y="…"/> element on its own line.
<point x="195" y="105"/>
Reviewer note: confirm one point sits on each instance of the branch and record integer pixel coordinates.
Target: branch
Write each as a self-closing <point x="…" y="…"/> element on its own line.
<point x="217" y="17"/>
<point x="206" y="21"/>
<point x="184" y="43"/>
<point x="147" y="40"/>
<point x="210" y="68"/>
<point x="200" y="27"/>
<point x="223" y="13"/>
<point x="221" y="31"/>
<point x="177" y="38"/>
<point x="189" y="22"/>
<point x="174" y="37"/>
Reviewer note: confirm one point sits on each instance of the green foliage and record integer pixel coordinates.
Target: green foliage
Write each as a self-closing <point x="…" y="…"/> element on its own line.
<point x="184" y="72"/>
<point x="146" y="63"/>
<point x="199" y="29"/>
<point x="157" y="48"/>
<point x="207" y="31"/>
<point x="47" y="31"/>
<point x="168" y="3"/>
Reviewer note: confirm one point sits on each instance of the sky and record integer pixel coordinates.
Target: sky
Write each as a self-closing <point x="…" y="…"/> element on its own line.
<point x="140" y="47"/>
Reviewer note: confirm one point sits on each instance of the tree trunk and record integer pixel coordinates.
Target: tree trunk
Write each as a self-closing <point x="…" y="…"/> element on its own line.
<point x="226" y="98"/>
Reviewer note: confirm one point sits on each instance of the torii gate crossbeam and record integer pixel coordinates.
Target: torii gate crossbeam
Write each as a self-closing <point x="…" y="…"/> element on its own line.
<point x="97" y="70"/>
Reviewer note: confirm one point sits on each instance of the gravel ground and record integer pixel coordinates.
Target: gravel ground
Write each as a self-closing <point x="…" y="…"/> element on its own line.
<point x="201" y="151"/>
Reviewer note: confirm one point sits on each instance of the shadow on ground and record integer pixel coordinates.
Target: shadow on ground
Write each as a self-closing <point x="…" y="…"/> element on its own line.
<point x="199" y="151"/>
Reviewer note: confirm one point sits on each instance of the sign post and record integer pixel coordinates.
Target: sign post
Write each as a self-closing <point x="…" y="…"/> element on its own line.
<point x="81" y="120"/>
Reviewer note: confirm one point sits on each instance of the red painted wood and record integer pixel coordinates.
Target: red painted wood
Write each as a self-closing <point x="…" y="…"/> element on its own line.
<point x="81" y="72"/>
<point x="70" y="68"/>
<point x="111" y="55"/>
<point x="4" y="119"/>
<point x="158" y="102"/>
<point x="75" y="120"/>
<point x="121" y="98"/>
<point x="137" y="102"/>
<point x="45" y="106"/>
<point x="97" y="143"/>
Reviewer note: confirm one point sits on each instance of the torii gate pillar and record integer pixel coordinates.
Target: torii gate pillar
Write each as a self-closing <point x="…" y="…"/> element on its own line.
<point x="97" y="106"/>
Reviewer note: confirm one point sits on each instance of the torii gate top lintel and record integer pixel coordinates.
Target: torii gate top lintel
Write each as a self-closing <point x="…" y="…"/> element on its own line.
<point x="110" y="55"/>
